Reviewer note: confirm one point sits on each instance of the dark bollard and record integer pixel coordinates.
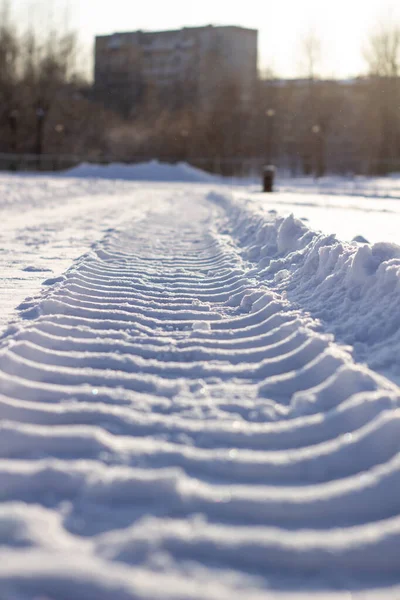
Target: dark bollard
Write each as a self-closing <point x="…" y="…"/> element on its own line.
<point x="268" y="178"/>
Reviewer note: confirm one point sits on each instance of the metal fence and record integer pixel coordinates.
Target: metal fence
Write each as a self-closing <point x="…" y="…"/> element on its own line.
<point x="37" y="162"/>
<point x="236" y="167"/>
<point x="250" y="167"/>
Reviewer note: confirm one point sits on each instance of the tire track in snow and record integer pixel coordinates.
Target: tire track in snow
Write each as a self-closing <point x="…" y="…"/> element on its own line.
<point x="161" y="409"/>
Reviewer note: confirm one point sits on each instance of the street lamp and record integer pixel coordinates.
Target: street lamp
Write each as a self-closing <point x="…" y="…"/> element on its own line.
<point x="40" y="116"/>
<point x="13" y="122"/>
<point x="183" y="150"/>
<point x="60" y="130"/>
<point x="318" y="151"/>
<point x="270" y="114"/>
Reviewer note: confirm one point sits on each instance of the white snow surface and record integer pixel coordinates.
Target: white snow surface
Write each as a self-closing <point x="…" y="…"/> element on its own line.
<point x="370" y="219"/>
<point x="147" y="171"/>
<point x="357" y="185"/>
<point x="197" y="397"/>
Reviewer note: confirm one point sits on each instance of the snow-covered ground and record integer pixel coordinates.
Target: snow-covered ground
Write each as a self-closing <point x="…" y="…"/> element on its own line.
<point x="373" y="219"/>
<point x="198" y="391"/>
<point x="357" y="185"/>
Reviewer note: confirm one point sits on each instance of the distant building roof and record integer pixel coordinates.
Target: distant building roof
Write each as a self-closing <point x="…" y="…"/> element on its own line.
<point x="169" y="31"/>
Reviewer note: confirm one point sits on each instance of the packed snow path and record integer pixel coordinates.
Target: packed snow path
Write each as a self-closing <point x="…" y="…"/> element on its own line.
<point x="172" y="428"/>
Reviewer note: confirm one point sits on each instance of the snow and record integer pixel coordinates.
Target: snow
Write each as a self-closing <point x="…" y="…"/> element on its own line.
<point x="354" y="289"/>
<point x="376" y="187"/>
<point x="198" y="391"/>
<point x="150" y="171"/>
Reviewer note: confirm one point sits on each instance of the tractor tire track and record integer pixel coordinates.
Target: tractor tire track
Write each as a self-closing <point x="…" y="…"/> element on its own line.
<point x="169" y="416"/>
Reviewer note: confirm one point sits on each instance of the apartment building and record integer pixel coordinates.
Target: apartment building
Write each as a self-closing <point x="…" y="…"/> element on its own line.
<point x="186" y="66"/>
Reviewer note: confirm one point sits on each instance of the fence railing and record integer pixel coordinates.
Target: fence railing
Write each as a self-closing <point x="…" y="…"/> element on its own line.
<point x="37" y="162"/>
<point x="237" y="167"/>
<point x="229" y="167"/>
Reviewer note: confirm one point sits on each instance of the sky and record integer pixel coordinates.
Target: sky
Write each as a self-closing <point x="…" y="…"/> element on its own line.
<point x="342" y="25"/>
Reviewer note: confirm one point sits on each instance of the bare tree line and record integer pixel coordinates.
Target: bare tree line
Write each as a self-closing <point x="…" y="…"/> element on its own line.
<point x="44" y="101"/>
<point x="309" y="126"/>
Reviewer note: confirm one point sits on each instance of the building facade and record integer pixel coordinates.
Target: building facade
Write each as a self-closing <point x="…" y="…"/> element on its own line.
<point x="184" y="67"/>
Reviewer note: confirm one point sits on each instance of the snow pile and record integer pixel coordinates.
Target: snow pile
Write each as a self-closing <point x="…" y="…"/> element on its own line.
<point x="353" y="288"/>
<point x="146" y="171"/>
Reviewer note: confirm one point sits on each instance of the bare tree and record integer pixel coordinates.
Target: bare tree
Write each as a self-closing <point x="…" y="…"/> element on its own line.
<point x="382" y="54"/>
<point x="310" y="135"/>
<point x="310" y="55"/>
<point x="9" y="54"/>
<point x="44" y="102"/>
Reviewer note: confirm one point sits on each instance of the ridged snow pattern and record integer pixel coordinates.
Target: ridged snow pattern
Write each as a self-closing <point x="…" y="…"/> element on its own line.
<point x="170" y="428"/>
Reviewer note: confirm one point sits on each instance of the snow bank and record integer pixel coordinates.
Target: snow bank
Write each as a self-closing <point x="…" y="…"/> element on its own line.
<point x="353" y="288"/>
<point x="146" y="171"/>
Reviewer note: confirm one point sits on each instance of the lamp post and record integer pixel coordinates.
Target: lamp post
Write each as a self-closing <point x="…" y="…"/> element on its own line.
<point x="13" y="122"/>
<point x="59" y="130"/>
<point x="40" y="116"/>
<point x="270" y="114"/>
<point x="317" y="145"/>
<point x="184" y="143"/>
